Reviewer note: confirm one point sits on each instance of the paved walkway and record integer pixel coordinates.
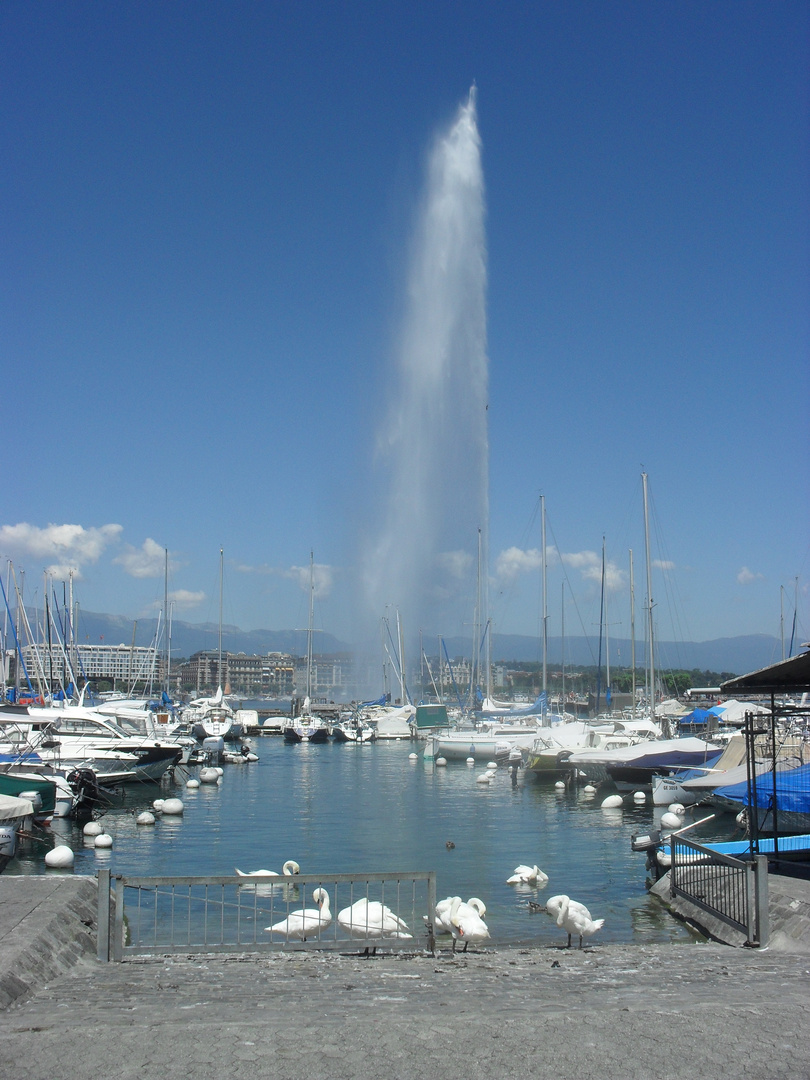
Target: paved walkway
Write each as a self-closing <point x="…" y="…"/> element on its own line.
<point x="667" y="1011"/>
<point x="703" y="1011"/>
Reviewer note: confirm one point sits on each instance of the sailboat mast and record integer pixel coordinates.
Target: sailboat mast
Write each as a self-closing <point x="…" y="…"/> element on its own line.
<point x="309" y="628"/>
<point x="166" y="613"/>
<point x="562" y="649"/>
<point x="608" y="692"/>
<point x="601" y="626"/>
<point x="545" y="596"/>
<point x="633" y="633"/>
<point x="650" y="637"/>
<point x="219" y="651"/>
<point x="401" y="651"/>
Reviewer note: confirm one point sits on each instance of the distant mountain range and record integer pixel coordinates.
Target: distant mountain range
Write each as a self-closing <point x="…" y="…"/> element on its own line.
<point x="737" y="655"/>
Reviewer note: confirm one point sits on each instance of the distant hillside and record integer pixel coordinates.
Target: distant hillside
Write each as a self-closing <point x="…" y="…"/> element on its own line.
<point x="188" y="638"/>
<point x="738" y="654"/>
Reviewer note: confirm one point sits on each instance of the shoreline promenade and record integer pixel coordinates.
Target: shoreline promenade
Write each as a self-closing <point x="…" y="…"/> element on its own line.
<point x="637" y="1011"/>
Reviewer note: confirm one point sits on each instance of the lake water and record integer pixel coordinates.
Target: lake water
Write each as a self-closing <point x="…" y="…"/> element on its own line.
<point x="342" y="808"/>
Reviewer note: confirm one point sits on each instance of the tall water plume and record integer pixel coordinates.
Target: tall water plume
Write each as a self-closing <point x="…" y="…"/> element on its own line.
<point x="433" y="445"/>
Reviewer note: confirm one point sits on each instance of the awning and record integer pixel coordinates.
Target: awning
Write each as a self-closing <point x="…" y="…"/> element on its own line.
<point x="787" y="677"/>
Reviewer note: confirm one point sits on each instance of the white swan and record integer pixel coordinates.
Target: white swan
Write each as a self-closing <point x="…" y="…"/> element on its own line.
<point x="528" y="875"/>
<point x="306" y="922"/>
<point x="466" y="921"/>
<point x="573" y="917"/>
<point x="289" y="868"/>
<point x="371" y="919"/>
<point x="442" y="922"/>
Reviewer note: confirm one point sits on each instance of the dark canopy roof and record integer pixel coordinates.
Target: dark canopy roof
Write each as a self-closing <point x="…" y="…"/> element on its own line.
<point x="787" y="677"/>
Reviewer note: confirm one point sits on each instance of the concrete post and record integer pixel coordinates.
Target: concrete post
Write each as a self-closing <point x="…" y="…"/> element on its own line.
<point x="103" y="918"/>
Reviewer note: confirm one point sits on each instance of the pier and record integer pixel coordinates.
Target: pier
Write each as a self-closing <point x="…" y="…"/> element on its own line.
<point x="616" y="1011"/>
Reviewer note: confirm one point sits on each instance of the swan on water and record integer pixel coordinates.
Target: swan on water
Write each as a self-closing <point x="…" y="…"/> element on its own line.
<point x="573" y="917"/>
<point x="527" y="875"/>
<point x="306" y="922"/>
<point x="371" y="919"/>
<point x="289" y="868"/>
<point x="466" y="921"/>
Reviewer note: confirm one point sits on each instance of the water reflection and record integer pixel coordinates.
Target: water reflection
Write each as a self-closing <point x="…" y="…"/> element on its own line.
<point x="337" y="810"/>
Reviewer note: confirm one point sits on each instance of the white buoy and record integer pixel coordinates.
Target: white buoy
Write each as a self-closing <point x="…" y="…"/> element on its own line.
<point x="589" y="789"/>
<point x="146" y="818"/>
<point x="441" y="761"/>
<point x="158" y="805"/>
<point x="492" y="764"/>
<point x="192" y="784"/>
<point x="173" y="806"/>
<point x="209" y="776"/>
<point x="470" y="760"/>
<point x="219" y="770"/>
<point x="104" y="840"/>
<point x="677" y="808"/>
<point x="639" y="797"/>
<point x="92" y="828"/>
<point x="612" y="802"/>
<point x="59" y="857"/>
<point x="483" y="778"/>
<point x="413" y="757"/>
<point x="560" y="785"/>
<point x="670" y="821"/>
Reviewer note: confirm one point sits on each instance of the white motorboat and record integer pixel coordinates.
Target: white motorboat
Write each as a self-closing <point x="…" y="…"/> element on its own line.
<point x="15" y="814"/>
<point x="689" y="786"/>
<point x="488" y="742"/>
<point x="550" y="752"/>
<point x="82" y="738"/>
<point x="212" y="717"/>
<point x="634" y="766"/>
<point x="390" y="722"/>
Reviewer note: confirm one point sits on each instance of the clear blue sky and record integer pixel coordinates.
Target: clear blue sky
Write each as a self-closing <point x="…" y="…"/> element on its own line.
<point x="206" y="211"/>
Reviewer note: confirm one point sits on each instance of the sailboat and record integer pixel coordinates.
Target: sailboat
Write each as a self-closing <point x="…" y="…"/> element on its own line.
<point x="306" y="727"/>
<point x="212" y="717"/>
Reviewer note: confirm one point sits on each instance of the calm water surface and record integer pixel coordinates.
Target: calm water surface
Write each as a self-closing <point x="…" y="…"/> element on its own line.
<point x="368" y="809"/>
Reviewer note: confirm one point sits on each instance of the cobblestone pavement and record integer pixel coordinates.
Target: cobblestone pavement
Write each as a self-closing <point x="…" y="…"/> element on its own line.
<point x="668" y="1011"/>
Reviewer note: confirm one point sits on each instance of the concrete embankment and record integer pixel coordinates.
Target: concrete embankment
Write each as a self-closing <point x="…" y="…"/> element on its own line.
<point x="47" y="924"/>
<point x="788" y="914"/>
<point x="607" y="1013"/>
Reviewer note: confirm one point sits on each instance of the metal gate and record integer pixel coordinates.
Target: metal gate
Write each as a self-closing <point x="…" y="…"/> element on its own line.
<point x="733" y="890"/>
<point x="158" y="915"/>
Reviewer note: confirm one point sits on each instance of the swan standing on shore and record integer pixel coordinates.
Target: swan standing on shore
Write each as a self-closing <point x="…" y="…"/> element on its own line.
<point x="371" y="919"/>
<point x="573" y="917"/>
<point x="528" y="875"/>
<point x="306" y="922"/>
<point x="466" y="921"/>
<point x="442" y="923"/>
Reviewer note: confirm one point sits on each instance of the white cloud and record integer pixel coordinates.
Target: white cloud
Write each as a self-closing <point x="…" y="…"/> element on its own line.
<point x="62" y="571"/>
<point x="456" y="563"/>
<point x="663" y="564"/>
<point x="513" y="562"/>
<point x="183" y="598"/>
<point x="148" y="561"/>
<point x="746" y="576"/>
<point x="589" y="564"/>
<point x="68" y="545"/>
<point x="322" y="577"/>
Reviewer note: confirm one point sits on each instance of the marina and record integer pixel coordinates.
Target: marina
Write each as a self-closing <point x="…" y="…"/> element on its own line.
<point x="371" y="808"/>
